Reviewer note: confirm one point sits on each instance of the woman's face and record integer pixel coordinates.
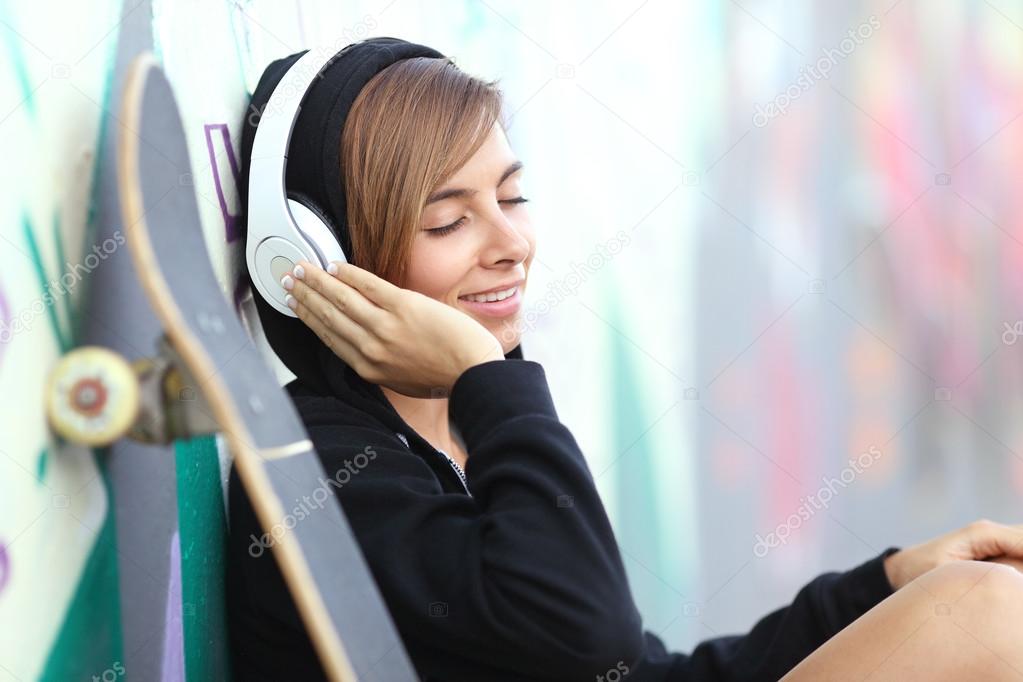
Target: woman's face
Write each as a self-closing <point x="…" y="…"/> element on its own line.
<point x="486" y="244"/>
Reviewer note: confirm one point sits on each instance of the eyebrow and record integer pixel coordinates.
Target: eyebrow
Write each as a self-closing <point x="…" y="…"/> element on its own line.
<point x="461" y="192"/>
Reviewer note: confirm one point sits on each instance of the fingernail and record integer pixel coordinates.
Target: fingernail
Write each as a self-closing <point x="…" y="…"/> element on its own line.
<point x="287" y="282"/>
<point x="298" y="272"/>
<point x="332" y="268"/>
<point x="290" y="301"/>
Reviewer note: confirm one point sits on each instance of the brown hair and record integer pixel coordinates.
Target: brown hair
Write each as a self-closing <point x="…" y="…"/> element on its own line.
<point x="411" y="127"/>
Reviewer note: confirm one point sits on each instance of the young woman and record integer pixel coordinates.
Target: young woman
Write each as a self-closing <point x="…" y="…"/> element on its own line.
<point x="472" y="502"/>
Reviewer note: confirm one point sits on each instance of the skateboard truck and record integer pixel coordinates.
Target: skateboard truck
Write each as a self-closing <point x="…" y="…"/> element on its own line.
<point x="95" y="396"/>
<point x="172" y="406"/>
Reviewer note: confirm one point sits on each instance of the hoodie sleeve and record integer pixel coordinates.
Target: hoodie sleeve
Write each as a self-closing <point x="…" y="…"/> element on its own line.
<point x="782" y="638"/>
<point x="525" y="575"/>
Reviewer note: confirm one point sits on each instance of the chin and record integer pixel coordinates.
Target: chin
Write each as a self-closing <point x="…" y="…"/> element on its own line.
<point x="508" y="333"/>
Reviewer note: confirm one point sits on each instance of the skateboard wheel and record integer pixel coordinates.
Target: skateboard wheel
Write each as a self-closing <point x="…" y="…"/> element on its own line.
<point x="92" y="396"/>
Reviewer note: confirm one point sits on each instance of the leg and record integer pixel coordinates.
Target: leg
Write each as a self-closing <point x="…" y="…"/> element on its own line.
<point x="963" y="620"/>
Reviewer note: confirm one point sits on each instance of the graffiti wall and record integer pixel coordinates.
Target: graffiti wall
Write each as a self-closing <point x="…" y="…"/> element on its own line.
<point x="59" y="598"/>
<point x="777" y="292"/>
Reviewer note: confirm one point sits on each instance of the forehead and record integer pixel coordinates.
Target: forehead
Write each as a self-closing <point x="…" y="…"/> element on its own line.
<point x="493" y="156"/>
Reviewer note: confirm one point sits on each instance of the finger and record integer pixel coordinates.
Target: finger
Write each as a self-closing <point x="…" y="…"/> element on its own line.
<point x="328" y="315"/>
<point x="335" y="342"/>
<point x="342" y="296"/>
<point x="998" y="540"/>
<point x="376" y="289"/>
<point x="1015" y="563"/>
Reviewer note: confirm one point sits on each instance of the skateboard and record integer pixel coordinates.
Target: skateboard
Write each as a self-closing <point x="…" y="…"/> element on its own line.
<point x="208" y="376"/>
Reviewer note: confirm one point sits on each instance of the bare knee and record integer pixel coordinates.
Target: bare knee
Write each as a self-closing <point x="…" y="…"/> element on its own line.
<point x="984" y="602"/>
<point x="961" y="620"/>
<point x="984" y="586"/>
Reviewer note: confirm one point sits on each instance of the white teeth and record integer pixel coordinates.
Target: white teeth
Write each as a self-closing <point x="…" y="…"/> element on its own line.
<point x="491" y="297"/>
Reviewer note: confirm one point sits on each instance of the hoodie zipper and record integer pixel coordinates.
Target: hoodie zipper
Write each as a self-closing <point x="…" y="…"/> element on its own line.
<point x="458" y="470"/>
<point x="452" y="462"/>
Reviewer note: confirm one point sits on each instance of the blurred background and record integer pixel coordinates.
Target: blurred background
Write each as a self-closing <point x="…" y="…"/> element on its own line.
<point x="777" y="293"/>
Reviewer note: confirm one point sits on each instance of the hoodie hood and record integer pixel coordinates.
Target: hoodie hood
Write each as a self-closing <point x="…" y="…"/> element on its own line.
<point x="314" y="171"/>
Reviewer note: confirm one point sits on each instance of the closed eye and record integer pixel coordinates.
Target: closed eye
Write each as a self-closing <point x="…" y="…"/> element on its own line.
<point x="446" y="229"/>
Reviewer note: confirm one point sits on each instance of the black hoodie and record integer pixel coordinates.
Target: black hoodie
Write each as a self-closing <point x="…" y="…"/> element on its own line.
<point x="522" y="578"/>
<point x="517" y="578"/>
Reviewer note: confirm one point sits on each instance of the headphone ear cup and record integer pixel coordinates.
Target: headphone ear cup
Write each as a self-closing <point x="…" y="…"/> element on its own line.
<point x="316" y="227"/>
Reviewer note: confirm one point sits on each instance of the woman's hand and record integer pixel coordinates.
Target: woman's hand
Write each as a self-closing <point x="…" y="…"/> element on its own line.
<point x="390" y="336"/>
<point x="979" y="541"/>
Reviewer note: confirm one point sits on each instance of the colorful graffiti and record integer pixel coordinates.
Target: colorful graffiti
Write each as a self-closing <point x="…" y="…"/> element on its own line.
<point x="59" y="605"/>
<point x="815" y="266"/>
<point x="223" y="141"/>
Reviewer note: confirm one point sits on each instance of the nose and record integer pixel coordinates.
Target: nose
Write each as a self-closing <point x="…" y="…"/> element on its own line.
<point x="506" y="241"/>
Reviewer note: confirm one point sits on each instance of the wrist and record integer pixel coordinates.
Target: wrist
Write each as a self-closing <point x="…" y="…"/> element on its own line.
<point x="892" y="566"/>
<point x="465" y="363"/>
<point x="478" y="356"/>
<point x="496" y="354"/>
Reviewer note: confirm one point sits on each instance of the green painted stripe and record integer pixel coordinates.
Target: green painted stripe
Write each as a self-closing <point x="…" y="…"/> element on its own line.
<point x="656" y="575"/>
<point x="44" y="456"/>
<point x="636" y="470"/>
<point x="203" y="532"/>
<point x="18" y="63"/>
<point x="89" y="641"/>
<point x="69" y="309"/>
<point x="37" y="262"/>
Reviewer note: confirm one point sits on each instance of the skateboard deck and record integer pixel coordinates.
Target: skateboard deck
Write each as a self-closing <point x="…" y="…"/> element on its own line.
<point x="319" y="557"/>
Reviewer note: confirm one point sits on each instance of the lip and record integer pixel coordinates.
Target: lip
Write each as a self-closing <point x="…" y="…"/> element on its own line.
<point x="501" y="287"/>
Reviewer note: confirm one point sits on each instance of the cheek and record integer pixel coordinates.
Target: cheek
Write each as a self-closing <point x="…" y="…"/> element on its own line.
<point x="433" y="270"/>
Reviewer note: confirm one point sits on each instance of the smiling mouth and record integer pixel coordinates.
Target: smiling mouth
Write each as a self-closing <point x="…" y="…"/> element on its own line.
<point x="491" y="297"/>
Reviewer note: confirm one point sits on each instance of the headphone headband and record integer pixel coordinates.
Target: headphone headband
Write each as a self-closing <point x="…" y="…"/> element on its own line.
<point x="308" y="221"/>
<point x="283" y="230"/>
<point x="277" y="120"/>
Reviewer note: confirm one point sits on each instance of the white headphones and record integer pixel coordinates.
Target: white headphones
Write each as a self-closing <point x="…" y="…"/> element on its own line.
<point x="282" y="228"/>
